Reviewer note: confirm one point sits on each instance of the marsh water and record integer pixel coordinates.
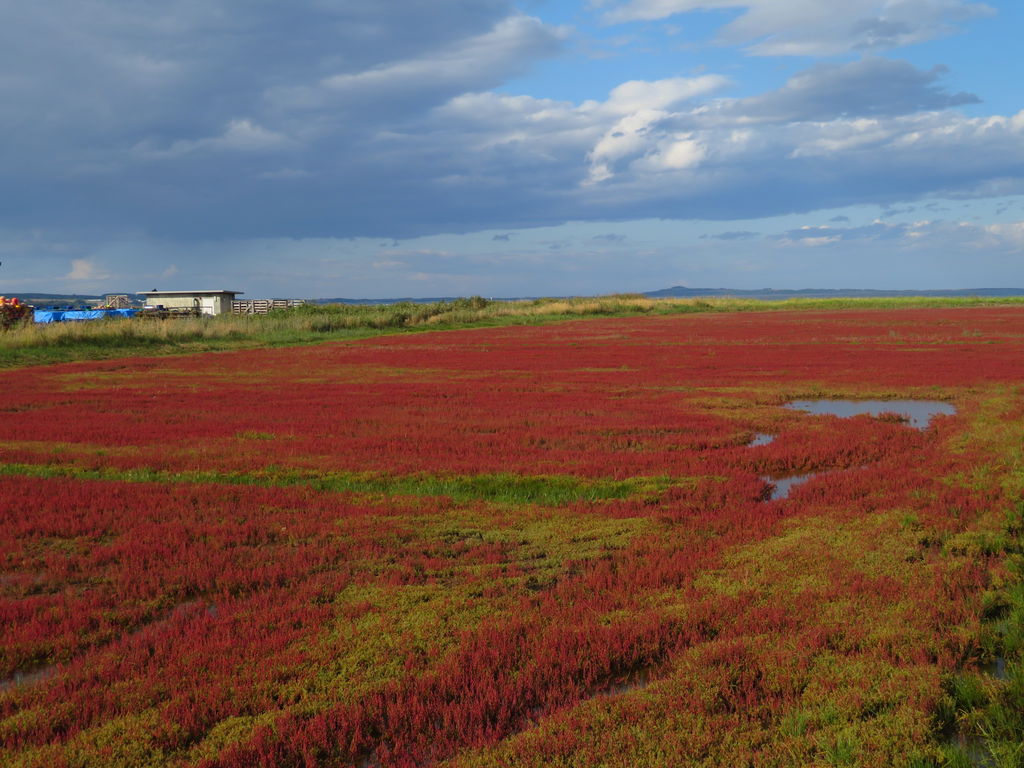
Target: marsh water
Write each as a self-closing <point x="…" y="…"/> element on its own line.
<point x="783" y="485"/>
<point x="996" y="668"/>
<point x="637" y="678"/>
<point x="39" y="674"/>
<point x="29" y="677"/>
<point x="919" y="413"/>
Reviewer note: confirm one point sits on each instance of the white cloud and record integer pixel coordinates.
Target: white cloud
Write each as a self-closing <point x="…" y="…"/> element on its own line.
<point x="925" y="235"/>
<point x="816" y="27"/>
<point x="627" y="138"/>
<point x="724" y="159"/>
<point x="639" y="95"/>
<point x="840" y="136"/>
<point x="85" y="269"/>
<point x="680" y="153"/>
<point x="1009" y="234"/>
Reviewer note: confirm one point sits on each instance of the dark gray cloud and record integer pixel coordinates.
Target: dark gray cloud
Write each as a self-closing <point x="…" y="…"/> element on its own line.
<point x="186" y="117"/>
<point x="733" y="235"/>
<point x="336" y="118"/>
<point x="101" y="73"/>
<point x="891" y="211"/>
<point x="871" y="87"/>
<point x="610" y="238"/>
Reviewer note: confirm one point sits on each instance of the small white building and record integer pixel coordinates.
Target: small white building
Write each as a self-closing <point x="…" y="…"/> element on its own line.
<point x="205" y="302"/>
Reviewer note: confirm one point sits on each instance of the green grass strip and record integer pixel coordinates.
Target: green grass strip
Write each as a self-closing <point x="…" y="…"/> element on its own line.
<point x="541" y="490"/>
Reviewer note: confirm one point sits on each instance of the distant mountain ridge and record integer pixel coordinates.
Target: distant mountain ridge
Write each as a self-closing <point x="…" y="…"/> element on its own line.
<point x="776" y="294"/>
<point x="420" y="300"/>
<point x="676" y="292"/>
<point x="763" y="294"/>
<point x="54" y="298"/>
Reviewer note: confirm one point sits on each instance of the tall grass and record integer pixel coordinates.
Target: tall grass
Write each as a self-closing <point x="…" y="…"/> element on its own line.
<point x="38" y="343"/>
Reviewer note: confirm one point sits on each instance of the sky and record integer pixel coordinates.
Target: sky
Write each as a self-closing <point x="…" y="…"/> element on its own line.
<point x="385" y="148"/>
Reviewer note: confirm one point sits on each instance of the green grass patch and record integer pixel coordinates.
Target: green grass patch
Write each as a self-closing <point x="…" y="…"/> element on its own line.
<point x="541" y="490"/>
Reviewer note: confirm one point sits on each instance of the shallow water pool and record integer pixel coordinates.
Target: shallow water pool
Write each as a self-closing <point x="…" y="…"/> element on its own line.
<point x="919" y="413"/>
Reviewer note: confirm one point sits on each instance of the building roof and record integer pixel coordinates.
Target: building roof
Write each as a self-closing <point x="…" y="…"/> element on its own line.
<point x="188" y="293"/>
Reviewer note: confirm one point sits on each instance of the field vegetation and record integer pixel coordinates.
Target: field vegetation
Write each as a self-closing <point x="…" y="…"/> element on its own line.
<point x="550" y="544"/>
<point x="28" y="344"/>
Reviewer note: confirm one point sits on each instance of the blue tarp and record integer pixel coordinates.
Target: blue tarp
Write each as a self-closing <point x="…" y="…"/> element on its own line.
<point x="66" y="315"/>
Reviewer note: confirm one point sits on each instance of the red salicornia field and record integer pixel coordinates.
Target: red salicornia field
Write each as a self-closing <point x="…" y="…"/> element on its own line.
<point x="524" y="546"/>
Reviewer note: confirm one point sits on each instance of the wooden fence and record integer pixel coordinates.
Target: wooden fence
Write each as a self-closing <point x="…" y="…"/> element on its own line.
<point x="262" y="306"/>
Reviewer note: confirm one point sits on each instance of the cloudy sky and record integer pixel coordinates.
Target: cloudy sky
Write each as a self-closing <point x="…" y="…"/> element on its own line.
<point x="373" y="148"/>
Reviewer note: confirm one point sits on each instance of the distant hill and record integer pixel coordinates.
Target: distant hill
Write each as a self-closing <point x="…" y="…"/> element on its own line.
<point x="763" y="294"/>
<point x="420" y="300"/>
<point x="677" y="291"/>
<point x="55" y="298"/>
<point x="772" y="294"/>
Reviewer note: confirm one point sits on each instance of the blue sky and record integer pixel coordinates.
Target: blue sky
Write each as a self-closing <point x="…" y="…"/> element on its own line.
<point x="374" y="148"/>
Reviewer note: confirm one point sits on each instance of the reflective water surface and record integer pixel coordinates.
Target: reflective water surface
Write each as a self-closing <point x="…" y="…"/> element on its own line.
<point x="918" y="412"/>
<point x="997" y="668"/>
<point x="28" y="678"/>
<point x="637" y="678"/>
<point x="783" y="485"/>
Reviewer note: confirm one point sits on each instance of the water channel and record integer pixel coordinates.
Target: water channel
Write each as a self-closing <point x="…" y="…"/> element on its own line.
<point x="28" y="678"/>
<point x="782" y="485"/>
<point x="918" y="414"/>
